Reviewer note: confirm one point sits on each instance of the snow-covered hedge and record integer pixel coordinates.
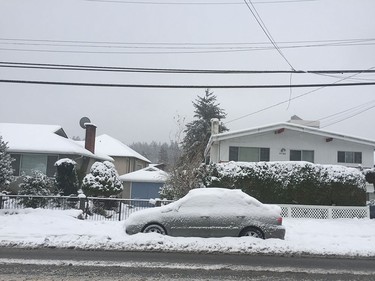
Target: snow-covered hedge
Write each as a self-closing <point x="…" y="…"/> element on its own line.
<point x="290" y="182"/>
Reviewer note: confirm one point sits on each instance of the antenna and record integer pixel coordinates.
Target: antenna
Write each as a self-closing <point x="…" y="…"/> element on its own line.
<point x="83" y="121"/>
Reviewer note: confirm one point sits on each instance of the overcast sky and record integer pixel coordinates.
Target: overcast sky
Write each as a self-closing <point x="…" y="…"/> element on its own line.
<point x="214" y="34"/>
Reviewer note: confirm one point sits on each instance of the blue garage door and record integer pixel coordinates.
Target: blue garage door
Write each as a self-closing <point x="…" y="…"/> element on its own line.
<point x="145" y="190"/>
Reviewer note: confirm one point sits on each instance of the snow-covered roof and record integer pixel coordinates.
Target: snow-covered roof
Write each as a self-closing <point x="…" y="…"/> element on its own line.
<point x="36" y="138"/>
<point x="290" y="126"/>
<point x="108" y="145"/>
<point x="148" y="174"/>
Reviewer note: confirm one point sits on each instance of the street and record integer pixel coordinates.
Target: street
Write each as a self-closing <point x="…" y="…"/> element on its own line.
<point x="71" y="265"/>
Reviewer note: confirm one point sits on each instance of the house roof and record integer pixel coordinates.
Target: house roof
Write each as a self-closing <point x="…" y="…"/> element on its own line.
<point x="289" y="126"/>
<point x="148" y="174"/>
<point x="108" y="145"/>
<point x="36" y="138"/>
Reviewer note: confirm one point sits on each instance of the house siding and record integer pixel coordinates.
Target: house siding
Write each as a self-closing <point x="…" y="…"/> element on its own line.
<point x="324" y="152"/>
<point x="145" y="190"/>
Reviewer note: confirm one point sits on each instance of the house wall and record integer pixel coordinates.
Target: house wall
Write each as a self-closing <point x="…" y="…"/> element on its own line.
<point x="145" y="190"/>
<point x="127" y="190"/>
<point x="324" y="152"/>
<point x="126" y="165"/>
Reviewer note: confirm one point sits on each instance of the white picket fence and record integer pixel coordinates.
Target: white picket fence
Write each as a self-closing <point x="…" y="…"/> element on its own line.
<point x="324" y="212"/>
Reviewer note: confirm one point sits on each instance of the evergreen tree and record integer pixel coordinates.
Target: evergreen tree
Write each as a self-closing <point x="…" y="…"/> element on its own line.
<point x="6" y="171"/>
<point x="198" y="132"/>
<point x="103" y="180"/>
<point x="163" y="154"/>
<point x="183" y="176"/>
<point x="38" y="184"/>
<point x="66" y="177"/>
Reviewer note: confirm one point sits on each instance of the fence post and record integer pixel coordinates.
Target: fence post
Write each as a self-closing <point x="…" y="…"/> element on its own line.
<point x="82" y="202"/>
<point x="119" y="211"/>
<point x="330" y="213"/>
<point x="289" y="212"/>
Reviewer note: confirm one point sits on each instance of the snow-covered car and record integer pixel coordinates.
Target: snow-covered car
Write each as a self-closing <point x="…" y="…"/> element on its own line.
<point x="210" y="212"/>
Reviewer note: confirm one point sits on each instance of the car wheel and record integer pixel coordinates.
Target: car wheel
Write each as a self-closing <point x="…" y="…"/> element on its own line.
<point x="154" y="228"/>
<point x="253" y="232"/>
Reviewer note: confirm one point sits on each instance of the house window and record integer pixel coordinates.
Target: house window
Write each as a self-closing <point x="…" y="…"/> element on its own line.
<point x="302" y="155"/>
<point x="349" y="157"/>
<point x="249" y="154"/>
<point x="26" y="163"/>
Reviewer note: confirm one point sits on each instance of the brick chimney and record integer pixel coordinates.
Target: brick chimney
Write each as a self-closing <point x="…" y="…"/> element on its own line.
<point x="90" y="137"/>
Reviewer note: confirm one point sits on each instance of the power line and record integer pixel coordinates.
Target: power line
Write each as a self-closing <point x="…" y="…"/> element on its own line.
<point x="296" y="97"/>
<point x="260" y="22"/>
<point x="47" y="66"/>
<point x="197" y="3"/>
<point x="118" y="48"/>
<point x="87" y="84"/>
<point x="351" y="116"/>
<point x="329" y="41"/>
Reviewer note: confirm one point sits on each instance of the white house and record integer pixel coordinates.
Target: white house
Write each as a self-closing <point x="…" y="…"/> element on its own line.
<point x="289" y="141"/>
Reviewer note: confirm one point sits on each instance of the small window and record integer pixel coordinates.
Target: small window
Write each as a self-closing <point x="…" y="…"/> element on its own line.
<point x="302" y="155"/>
<point x="349" y="157"/>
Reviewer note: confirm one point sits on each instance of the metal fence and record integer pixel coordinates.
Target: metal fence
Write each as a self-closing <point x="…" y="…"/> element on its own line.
<point x="94" y="208"/>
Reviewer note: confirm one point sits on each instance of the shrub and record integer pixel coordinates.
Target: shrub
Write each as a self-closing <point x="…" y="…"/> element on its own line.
<point x="103" y="180"/>
<point x="66" y="177"/>
<point x="38" y="184"/>
<point x="290" y="182"/>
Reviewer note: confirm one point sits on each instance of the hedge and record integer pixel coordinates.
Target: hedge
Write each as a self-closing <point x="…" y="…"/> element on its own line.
<point x="290" y="182"/>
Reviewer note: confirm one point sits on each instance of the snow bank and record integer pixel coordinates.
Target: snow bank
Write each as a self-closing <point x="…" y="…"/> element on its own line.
<point x="62" y="229"/>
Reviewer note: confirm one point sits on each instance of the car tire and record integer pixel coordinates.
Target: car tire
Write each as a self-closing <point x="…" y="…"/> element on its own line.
<point x="252" y="232"/>
<point x="154" y="228"/>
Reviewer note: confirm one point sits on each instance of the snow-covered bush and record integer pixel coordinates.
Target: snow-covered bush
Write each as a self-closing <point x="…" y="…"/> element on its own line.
<point x="6" y="171"/>
<point x="38" y="184"/>
<point x="103" y="180"/>
<point x="370" y="175"/>
<point x="66" y="179"/>
<point x="290" y="182"/>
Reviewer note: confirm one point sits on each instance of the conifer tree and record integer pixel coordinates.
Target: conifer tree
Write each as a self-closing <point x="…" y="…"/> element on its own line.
<point x="183" y="176"/>
<point x="6" y="171"/>
<point x="66" y="177"/>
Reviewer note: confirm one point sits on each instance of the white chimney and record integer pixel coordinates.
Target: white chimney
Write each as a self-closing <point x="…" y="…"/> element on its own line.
<point x="214" y="126"/>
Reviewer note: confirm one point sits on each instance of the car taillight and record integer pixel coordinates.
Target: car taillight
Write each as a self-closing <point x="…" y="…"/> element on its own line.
<point x="280" y="220"/>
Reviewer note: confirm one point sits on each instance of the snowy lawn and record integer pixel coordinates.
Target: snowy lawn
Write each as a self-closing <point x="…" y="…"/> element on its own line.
<point x="48" y="228"/>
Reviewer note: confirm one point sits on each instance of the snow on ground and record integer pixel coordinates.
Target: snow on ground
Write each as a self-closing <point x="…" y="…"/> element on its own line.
<point x="62" y="229"/>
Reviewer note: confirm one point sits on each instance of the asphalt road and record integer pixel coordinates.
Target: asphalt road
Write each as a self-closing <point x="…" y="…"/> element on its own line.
<point x="72" y="265"/>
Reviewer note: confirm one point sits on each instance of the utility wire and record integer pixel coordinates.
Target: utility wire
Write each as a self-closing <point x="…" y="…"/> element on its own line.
<point x="265" y="30"/>
<point x="49" y="66"/>
<point x="296" y="97"/>
<point x="119" y="48"/>
<point x="363" y="108"/>
<point x="346" y="118"/>
<point x="87" y="84"/>
<point x="197" y="3"/>
<point x="330" y="41"/>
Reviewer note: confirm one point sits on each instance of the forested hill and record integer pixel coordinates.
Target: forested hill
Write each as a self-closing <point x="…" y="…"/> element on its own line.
<point x="157" y="152"/>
